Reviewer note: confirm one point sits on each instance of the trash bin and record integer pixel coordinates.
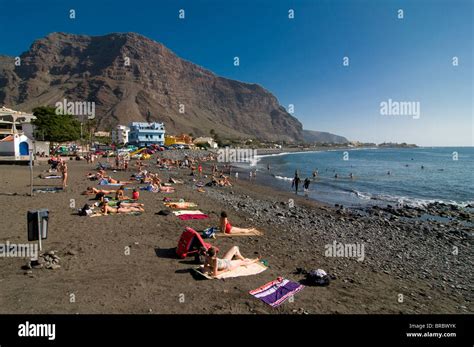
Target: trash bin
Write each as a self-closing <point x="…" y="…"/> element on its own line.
<point x="38" y="221"/>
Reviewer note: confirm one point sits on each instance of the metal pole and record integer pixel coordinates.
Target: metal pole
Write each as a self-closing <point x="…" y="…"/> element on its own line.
<point x="31" y="172"/>
<point x="40" y="229"/>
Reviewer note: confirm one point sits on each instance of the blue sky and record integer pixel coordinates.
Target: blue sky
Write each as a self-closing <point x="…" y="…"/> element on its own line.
<point x="300" y="60"/>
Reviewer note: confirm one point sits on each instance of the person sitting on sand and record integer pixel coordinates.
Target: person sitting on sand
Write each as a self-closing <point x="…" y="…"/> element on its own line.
<point x="106" y="209"/>
<point x="120" y="194"/>
<point x="135" y="194"/>
<point x="216" y="266"/>
<point x="226" y="227"/>
<point x="224" y="182"/>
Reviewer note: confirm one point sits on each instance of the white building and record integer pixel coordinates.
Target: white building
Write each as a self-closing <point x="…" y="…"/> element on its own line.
<point x="120" y="134"/>
<point x="144" y="134"/>
<point x="14" y="128"/>
<point x="207" y="141"/>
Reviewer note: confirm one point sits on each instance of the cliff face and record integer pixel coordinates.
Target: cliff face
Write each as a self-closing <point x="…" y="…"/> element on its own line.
<point x="150" y="88"/>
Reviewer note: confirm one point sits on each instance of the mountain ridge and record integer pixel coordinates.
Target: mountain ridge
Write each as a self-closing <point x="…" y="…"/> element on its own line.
<point x="154" y="86"/>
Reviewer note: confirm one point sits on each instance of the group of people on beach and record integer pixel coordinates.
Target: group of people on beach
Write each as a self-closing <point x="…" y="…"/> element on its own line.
<point x="233" y="258"/>
<point x="116" y="201"/>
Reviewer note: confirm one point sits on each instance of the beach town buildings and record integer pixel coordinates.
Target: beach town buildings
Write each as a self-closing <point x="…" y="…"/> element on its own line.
<point x="120" y="134"/>
<point x="144" y="134"/>
<point x="102" y="134"/>
<point x="16" y="134"/>
<point x="182" y="139"/>
<point x="205" y="141"/>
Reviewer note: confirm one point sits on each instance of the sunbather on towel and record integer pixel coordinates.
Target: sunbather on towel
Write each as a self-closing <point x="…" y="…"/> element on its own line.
<point x="216" y="266"/>
<point x="125" y="204"/>
<point x="106" y="209"/>
<point x="166" y="189"/>
<point x="229" y="229"/>
<point x="95" y="191"/>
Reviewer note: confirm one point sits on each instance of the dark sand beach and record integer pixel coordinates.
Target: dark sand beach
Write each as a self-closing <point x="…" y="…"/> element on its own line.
<point x="405" y="257"/>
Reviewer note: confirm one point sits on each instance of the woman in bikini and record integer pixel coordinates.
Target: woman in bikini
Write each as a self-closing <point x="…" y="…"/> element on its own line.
<point x="216" y="266"/>
<point x="106" y="209"/>
<point x="226" y="227"/>
<point x="63" y="170"/>
<point x="95" y="191"/>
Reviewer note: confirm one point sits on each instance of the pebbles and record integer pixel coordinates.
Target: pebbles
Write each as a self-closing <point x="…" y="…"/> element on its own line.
<point x="48" y="260"/>
<point x="398" y="243"/>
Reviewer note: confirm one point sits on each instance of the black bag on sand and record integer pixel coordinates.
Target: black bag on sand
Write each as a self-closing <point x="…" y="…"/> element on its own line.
<point x="317" y="277"/>
<point x="85" y="211"/>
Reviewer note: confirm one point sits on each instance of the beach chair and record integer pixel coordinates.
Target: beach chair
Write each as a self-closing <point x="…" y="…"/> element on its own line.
<point x="189" y="243"/>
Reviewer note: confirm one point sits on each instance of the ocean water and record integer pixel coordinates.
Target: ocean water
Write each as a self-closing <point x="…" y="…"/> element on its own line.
<point x="447" y="175"/>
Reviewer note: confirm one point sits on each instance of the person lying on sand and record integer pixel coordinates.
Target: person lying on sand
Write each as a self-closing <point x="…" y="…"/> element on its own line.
<point x="175" y="181"/>
<point x="98" y="175"/>
<point x="95" y="191"/>
<point x="226" y="227"/>
<point x="110" y="180"/>
<point x="121" y="208"/>
<point x="123" y="204"/>
<point x="216" y="266"/>
<point x="166" y="189"/>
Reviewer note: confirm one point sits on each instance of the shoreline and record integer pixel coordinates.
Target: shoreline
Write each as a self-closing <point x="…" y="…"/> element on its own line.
<point x="419" y="207"/>
<point x="402" y="256"/>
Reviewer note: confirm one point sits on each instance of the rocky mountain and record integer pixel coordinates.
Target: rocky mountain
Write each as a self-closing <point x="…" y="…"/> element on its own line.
<point x="133" y="78"/>
<point x="311" y="136"/>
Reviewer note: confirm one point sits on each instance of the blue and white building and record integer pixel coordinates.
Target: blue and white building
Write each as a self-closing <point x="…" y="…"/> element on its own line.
<point x="144" y="134"/>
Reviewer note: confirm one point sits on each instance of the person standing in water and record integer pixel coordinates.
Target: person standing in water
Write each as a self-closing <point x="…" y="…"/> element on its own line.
<point x="296" y="181"/>
<point x="306" y="183"/>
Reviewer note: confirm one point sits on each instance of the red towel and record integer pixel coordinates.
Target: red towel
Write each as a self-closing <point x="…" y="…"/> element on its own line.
<point x="193" y="216"/>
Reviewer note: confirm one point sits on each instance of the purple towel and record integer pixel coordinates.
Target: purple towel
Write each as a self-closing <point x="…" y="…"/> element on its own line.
<point x="276" y="292"/>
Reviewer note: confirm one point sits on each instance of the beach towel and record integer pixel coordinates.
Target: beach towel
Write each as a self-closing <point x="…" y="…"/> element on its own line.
<point x="249" y="270"/>
<point x="253" y="233"/>
<point x="48" y="190"/>
<point x="276" y="292"/>
<point x="51" y="177"/>
<point x="181" y="212"/>
<point x="150" y="188"/>
<point x="99" y="214"/>
<point x="193" y="216"/>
